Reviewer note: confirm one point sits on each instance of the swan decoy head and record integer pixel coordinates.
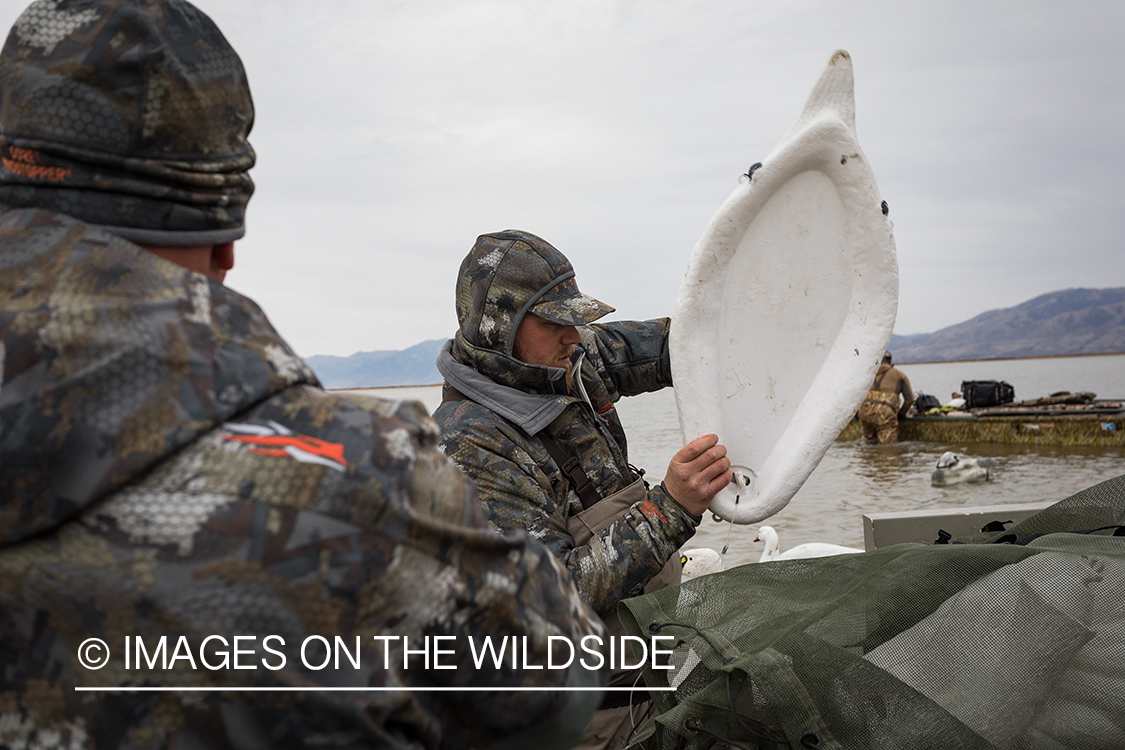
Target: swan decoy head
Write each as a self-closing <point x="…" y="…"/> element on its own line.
<point x="768" y="536"/>
<point x="700" y="562"/>
<point x="949" y="458"/>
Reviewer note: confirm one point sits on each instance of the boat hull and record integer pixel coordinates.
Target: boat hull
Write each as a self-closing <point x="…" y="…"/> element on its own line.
<point x="1080" y="430"/>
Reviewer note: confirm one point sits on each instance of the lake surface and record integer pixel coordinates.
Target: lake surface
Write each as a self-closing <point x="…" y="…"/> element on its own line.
<point x="855" y="478"/>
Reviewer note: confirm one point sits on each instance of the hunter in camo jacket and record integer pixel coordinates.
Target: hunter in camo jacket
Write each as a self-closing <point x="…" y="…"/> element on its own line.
<point x="490" y="433"/>
<point x="171" y="472"/>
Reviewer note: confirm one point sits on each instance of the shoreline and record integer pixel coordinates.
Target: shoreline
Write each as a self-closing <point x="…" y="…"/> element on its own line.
<point x="1006" y="359"/>
<point x="382" y="387"/>
<point x="897" y="363"/>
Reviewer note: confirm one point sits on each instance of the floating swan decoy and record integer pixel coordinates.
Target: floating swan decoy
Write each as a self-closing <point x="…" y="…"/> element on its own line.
<point x="954" y="469"/>
<point x="768" y="536"/>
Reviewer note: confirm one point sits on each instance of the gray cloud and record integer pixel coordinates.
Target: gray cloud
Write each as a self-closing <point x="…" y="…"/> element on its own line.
<point x="391" y="134"/>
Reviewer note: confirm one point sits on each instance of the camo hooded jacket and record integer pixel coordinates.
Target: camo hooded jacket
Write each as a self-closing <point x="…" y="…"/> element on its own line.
<point x="174" y="484"/>
<point x="490" y="435"/>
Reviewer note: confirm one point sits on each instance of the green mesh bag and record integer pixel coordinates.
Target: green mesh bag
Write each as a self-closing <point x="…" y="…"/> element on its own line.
<point x="1013" y="639"/>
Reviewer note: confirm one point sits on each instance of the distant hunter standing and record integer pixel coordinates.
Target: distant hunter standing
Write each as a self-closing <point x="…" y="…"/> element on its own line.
<point x="887" y="402"/>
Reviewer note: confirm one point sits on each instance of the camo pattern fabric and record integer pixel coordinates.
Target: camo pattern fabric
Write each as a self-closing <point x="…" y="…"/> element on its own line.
<point x="133" y="115"/>
<point x="508" y="273"/>
<point x="169" y="468"/>
<point x="522" y="488"/>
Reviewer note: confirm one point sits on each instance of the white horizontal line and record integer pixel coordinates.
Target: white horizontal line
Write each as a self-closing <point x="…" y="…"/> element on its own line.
<point x="368" y="689"/>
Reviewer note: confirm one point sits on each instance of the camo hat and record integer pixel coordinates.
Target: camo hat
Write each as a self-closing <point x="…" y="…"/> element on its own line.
<point x="131" y="115"/>
<point x="510" y="273"/>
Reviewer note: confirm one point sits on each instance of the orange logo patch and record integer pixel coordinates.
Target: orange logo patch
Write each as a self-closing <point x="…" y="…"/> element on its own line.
<point x="278" y="440"/>
<point x="25" y="163"/>
<point x="652" y="511"/>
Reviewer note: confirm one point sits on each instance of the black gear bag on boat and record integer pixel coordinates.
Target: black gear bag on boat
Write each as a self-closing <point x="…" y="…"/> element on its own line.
<point x="923" y="402"/>
<point x="979" y="393"/>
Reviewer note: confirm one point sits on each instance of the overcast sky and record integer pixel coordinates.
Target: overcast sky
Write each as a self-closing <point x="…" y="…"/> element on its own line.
<point x="390" y="134"/>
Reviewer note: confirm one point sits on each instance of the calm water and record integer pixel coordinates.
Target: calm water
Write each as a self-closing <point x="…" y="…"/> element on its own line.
<point x="855" y="478"/>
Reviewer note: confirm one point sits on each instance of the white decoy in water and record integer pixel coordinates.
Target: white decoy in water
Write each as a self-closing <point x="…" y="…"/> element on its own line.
<point x="954" y="469"/>
<point x="767" y="535"/>
<point x="700" y="562"/>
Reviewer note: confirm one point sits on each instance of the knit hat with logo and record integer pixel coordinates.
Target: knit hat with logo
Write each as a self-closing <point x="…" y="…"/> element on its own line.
<point x="131" y="115"/>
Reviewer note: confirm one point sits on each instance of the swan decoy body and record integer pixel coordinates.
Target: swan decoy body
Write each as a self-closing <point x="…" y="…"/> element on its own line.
<point x="954" y="469"/>
<point x="768" y="536"/>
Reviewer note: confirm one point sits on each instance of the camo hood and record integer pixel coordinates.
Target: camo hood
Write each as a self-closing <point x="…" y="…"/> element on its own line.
<point x="112" y="359"/>
<point x="130" y="115"/>
<point x="504" y="277"/>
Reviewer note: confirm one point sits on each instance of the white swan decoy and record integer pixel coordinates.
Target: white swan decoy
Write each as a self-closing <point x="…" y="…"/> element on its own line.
<point x="768" y="536"/>
<point x="787" y="306"/>
<point x="954" y="469"/>
<point x="700" y="562"/>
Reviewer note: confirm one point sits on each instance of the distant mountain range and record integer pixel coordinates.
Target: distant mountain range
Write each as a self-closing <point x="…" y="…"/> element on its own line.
<point x="413" y="366"/>
<point x="1074" y="321"/>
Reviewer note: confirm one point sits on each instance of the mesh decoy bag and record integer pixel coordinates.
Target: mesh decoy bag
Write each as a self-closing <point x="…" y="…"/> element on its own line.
<point x="1012" y="639"/>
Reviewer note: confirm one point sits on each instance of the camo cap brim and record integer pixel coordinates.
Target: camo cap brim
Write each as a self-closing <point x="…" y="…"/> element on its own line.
<point x="564" y="304"/>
